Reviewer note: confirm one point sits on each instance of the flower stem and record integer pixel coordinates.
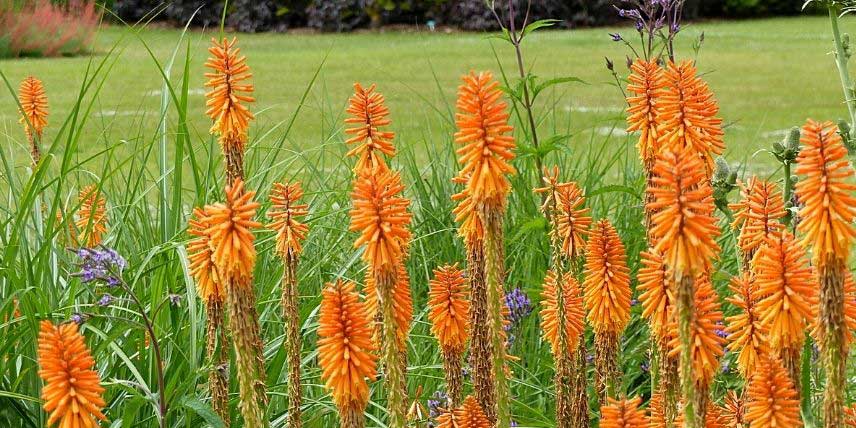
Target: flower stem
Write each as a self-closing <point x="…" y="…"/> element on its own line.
<point x="391" y="351"/>
<point x="481" y="346"/>
<point x="833" y="345"/>
<point x="841" y="63"/>
<point x="218" y="382"/>
<point x="685" y="306"/>
<point x="291" y="317"/>
<point x="494" y="272"/>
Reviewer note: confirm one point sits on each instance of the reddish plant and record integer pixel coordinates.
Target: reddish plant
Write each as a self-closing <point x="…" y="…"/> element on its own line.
<point x="41" y="28"/>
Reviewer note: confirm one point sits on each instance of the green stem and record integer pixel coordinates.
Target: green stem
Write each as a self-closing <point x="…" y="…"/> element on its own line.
<point x="805" y="404"/>
<point x="495" y="294"/>
<point x="841" y="63"/>
<point x="685" y="307"/>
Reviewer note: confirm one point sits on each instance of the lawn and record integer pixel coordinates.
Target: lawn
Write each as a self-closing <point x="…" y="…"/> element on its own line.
<point x="768" y="75"/>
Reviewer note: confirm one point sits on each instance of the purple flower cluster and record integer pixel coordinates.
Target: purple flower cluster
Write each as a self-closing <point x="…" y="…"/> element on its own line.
<point x="437" y="401"/>
<point x="651" y="17"/>
<point x="100" y="264"/>
<point x="519" y="307"/>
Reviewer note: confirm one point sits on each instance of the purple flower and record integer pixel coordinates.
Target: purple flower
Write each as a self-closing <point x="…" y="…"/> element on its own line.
<point x="639" y="25"/>
<point x="616" y="37"/>
<point x="436" y="402"/>
<point x="676" y="27"/>
<point x="634" y="302"/>
<point x="726" y="367"/>
<point x="105" y="300"/>
<point x="77" y="318"/>
<point x="589" y="357"/>
<point x="175" y="299"/>
<point x="645" y="366"/>
<point x="519" y="306"/>
<point x="100" y="264"/>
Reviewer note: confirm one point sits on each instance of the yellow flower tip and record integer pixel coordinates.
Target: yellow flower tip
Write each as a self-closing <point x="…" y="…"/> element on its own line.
<point x="573" y="311"/>
<point x="758" y="213"/>
<point x="368" y="117"/>
<point x="380" y="215"/>
<point x="72" y="391"/>
<point x="683" y="225"/>
<point x="468" y="415"/>
<point x="607" y="280"/>
<point x="786" y="292"/>
<point x="656" y="292"/>
<point x="230" y="228"/>
<point x="201" y="257"/>
<point x="686" y="115"/>
<point x="773" y="400"/>
<point x="574" y="220"/>
<point x="707" y="345"/>
<point x="747" y="334"/>
<point x="284" y="213"/>
<point x="826" y="192"/>
<point x="486" y="146"/>
<point x="34" y="106"/>
<point x="623" y="413"/>
<point x="345" y="347"/>
<point x="646" y="86"/>
<point x="91" y="222"/>
<point x="402" y="301"/>
<point x="471" y="227"/>
<point x="449" y="307"/>
<point x="229" y="92"/>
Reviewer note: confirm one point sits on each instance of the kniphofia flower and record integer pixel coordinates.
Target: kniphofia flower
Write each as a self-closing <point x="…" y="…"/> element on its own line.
<point x="773" y="401"/>
<point x="34" y="106"/>
<point x="747" y="334"/>
<point x="706" y="346"/>
<point x="369" y="118"/>
<point x="850" y="416"/>
<point x="734" y="410"/>
<point x="623" y="413"/>
<point x="758" y="215"/>
<point x="485" y="138"/>
<point x="574" y="313"/>
<point x="646" y="86"/>
<point x="687" y="115"/>
<point x="574" y="219"/>
<point x="683" y="224"/>
<point x="230" y="228"/>
<point x="380" y="216"/>
<point x="284" y="213"/>
<point x="72" y="391"/>
<point x="449" y="306"/>
<point x="656" y="292"/>
<point x="468" y="415"/>
<point x="200" y="254"/>
<point x="607" y="280"/>
<point x="91" y="223"/>
<point x="345" y="347"/>
<point x="471" y="226"/>
<point x="402" y="301"/>
<point x="229" y="92"/>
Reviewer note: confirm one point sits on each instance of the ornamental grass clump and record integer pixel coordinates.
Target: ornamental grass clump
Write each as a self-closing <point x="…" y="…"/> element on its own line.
<point x="72" y="391"/>
<point x="484" y="153"/>
<point x="449" y="307"/>
<point x="285" y="214"/>
<point x="34" y="113"/>
<point x="607" y="302"/>
<point x="346" y="351"/>
<point x="826" y="190"/>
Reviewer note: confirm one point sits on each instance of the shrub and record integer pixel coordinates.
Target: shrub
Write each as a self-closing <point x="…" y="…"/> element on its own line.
<point x="41" y="28"/>
<point x="336" y="15"/>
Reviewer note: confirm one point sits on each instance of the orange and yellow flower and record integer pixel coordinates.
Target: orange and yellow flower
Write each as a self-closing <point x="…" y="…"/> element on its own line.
<point x="656" y="292"/>
<point x="826" y="190"/>
<point x="773" y="401"/>
<point x="747" y="334"/>
<point x="229" y="91"/>
<point x="686" y="115"/>
<point x="34" y="106"/>
<point x="683" y="225"/>
<point x="471" y="226"/>
<point x="72" y="391"/>
<point x="285" y="211"/>
<point x="449" y="307"/>
<point x="624" y="413"/>
<point x="468" y="415"/>
<point x="201" y="257"/>
<point x="574" y="312"/>
<point x="707" y="346"/>
<point x="345" y="348"/>
<point x="484" y="135"/>
<point x="758" y="215"/>
<point x="369" y="116"/>
<point x="646" y="86"/>
<point x="574" y="219"/>
<point x="380" y="216"/>
<point x="607" y="280"/>
<point x="91" y="223"/>
<point x="402" y="301"/>
<point x="786" y="290"/>
<point x="230" y="228"/>
<point x="734" y="410"/>
<point x="850" y="416"/>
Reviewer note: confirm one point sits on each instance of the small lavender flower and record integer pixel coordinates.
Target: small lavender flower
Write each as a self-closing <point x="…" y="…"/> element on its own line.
<point x="634" y="302"/>
<point x="77" y="318"/>
<point x="519" y="306"/>
<point x="100" y="264"/>
<point x="175" y="299"/>
<point x="726" y="367"/>
<point x="645" y="366"/>
<point x="616" y="37"/>
<point x="720" y="331"/>
<point x="589" y="357"/>
<point x="105" y="300"/>
<point x="436" y="402"/>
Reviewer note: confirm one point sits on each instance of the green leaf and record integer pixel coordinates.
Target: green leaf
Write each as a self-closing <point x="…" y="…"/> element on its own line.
<point x="553" y="82"/>
<point x="532" y="225"/>
<point x="614" y="188"/>
<point x="541" y="23"/>
<point x="204" y="411"/>
<point x="130" y="409"/>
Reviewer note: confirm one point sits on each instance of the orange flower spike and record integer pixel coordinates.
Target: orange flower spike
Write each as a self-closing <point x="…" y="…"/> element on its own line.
<point x="449" y="307"/>
<point x="34" y="106"/>
<point x="686" y="115"/>
<point x="91" y="217"/>
<point x="574" y="219"/>
<point x="607" y="280"/>
<point x="826" y="189"/>
<point x="484" y="135"/>
<point x="230" y="231"/>
<point x="758" y="214"/>
<point x="468" y="415"/>
<point x="707" y="345"/>
<point x="647" y="84"/>
<point x="623" y="413"/>
<point x="369" y="115"/>
<point x="849" y="305"/>
<point x="683" y="223"/>
<point x="229" y="89"/>
<point x="471" y="227"/>
<point x="786" y="290"/>
<point x="285" y="210"/>
<point x="747" y="334"/>
<point x="734" y="410"/>
<point x="380" y="216"/>
<point x="200" y="255"/>
<point x="574" y="312"/>
<point x="773" y="401"/>
<point x="72" y="391"/>
<point x="656" y="292"/>
<point x="850" y="416"/>
<point x="345" y="347"/>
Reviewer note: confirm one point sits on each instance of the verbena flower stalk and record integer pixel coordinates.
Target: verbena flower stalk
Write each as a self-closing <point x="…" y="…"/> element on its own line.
<point x="827" y="227"/>
<point x="486" y="148"/>
<point x="34" y="113"/>
<point x="449" y="307"/>
<point x="290" y="232"/>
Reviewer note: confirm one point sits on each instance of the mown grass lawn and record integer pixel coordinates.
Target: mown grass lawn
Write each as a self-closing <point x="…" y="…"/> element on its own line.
<point x="769" y="75"/>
